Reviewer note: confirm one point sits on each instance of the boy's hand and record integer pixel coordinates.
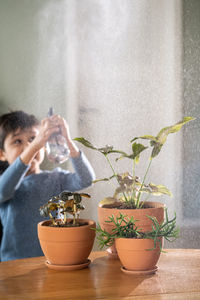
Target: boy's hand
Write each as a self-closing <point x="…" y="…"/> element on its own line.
<point x="34" y="150"/>
<point x="53" y="124"/>
<point x="64" y="130"/>
<point x="48" y="127"/>
<point x="64" y="127"/>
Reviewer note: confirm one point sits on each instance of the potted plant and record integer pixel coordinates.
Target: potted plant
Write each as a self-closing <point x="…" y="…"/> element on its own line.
<point x="66" y="242"/>
<point x="128" y="197"/>
<point x="138" y="251"/>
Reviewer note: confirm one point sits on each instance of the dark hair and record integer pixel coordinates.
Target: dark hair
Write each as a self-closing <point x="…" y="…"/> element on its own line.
<point x="10" y="122"/>
<point x="3" y="166"/>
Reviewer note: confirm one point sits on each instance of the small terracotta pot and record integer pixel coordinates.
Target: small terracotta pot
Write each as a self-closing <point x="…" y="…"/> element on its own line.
<point x="154" y="209"/>
<point x="135" y="255"/>
<point x="66" y="245"/>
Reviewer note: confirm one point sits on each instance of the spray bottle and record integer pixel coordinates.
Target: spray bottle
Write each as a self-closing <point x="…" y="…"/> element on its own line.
<point x="56" y="147"/>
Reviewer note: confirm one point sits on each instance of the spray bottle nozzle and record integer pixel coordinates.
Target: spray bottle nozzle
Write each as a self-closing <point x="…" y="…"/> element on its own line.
<point x="50" y="112"/>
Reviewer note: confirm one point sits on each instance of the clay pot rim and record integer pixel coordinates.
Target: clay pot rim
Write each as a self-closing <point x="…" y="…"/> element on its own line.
<point x="155" y="205"/>
<point x="89" y="221"/>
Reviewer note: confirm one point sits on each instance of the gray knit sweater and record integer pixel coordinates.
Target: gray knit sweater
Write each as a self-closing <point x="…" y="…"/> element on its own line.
<point x="20" y="199"/>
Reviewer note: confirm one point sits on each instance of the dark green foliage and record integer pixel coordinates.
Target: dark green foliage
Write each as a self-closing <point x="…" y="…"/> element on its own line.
<point x="158" y="141"/>
<point x="66" y="202"/>
<point x="125" y="227"/>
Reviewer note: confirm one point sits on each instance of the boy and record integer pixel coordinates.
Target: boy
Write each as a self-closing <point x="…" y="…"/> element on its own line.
<point x="24" y="187"/>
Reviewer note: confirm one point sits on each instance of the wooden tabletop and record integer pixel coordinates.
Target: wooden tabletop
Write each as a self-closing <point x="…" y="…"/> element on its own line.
<point x="178" y="277"/>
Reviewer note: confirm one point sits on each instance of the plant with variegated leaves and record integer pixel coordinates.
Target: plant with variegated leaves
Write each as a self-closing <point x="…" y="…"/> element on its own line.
<point x="63" y="204"/>
<point x="130" y="188"/>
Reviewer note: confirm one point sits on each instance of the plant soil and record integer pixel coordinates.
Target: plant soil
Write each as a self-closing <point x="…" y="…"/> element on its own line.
<point x="124" y="205"/>
<point x="70" y="224"/>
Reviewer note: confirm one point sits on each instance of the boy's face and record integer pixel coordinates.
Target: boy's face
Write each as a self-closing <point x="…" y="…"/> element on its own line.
<point x="16" y="142"/>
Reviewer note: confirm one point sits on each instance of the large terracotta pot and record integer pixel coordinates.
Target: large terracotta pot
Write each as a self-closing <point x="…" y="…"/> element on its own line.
<point x="135" y="255"/>
<point x="153" y="209"/>
<point x="66" y="246"/>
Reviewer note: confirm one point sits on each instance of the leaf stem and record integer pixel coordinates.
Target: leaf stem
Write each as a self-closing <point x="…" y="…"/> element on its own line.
<point x="133" y="192"/>
<point x="134" y="168"/>
<point x="143" y="181"/>
<point x="108" y="160"/>
<point x="114" y="173"/>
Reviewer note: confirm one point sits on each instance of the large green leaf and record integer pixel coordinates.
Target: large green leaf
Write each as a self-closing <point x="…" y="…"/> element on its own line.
<point x="85" y="142"/>
<point x="158" y="141"/>
<point x="103" y="179"/>
<point x="107" y="201"/>
<point x="109" y="149"/>
<point x="145" y="137"/>
<point x="156" y="190"/>
<point x="162" y="135"/>
<point x="125" y="155"/>
<point x="156" y="149"/>
<point x="136" y="150"/>
<point x="104" y="150"/>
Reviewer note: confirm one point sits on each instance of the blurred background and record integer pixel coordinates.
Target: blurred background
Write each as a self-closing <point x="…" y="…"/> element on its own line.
<point x="115" y="69"/>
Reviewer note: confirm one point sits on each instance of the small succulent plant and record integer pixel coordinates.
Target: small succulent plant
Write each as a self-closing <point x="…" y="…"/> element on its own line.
<point x="61" y="205"/>
<point x="130" y="188"/>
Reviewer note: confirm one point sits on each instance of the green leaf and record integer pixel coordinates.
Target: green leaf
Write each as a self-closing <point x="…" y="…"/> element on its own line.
<point x="65" y="195"/>
<point x="145" y="137"/>
<point x="85" y="195"/>
<point x="158" y="141"/>
<point x="103" y="179"/>
<point x="77" y="198"/>
<point x="104" y="150"/>
<point x="109" y="149"/>
<point x="156" y="149"/>
<point x="156" y="190"/>
<point x="107" y="200"/>
<point x="85" y="142"/>
<point x="117" y="151"/>
<point x="162" y="135"/>
<point x="125" y="155"/>
<point x="137" y="149"/>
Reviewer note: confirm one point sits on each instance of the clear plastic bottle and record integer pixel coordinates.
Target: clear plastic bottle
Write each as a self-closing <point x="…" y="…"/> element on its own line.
<point x="56" y="147"/>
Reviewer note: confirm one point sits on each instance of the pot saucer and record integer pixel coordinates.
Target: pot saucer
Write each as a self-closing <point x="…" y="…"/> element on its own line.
<point x="68" y="267"/>
<point x="147" y="272"/>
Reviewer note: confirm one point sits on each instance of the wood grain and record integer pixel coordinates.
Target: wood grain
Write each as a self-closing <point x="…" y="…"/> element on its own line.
<point x="178" y="277"/>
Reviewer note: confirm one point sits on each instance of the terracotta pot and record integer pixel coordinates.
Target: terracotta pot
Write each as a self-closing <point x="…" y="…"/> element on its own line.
<point x="154" y="209"/>
<point x="66" y="245"/>
<point x="135" y="256"/>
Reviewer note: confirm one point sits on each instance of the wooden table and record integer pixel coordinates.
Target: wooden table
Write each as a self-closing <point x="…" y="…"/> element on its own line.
<point x="178" y="277"/>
